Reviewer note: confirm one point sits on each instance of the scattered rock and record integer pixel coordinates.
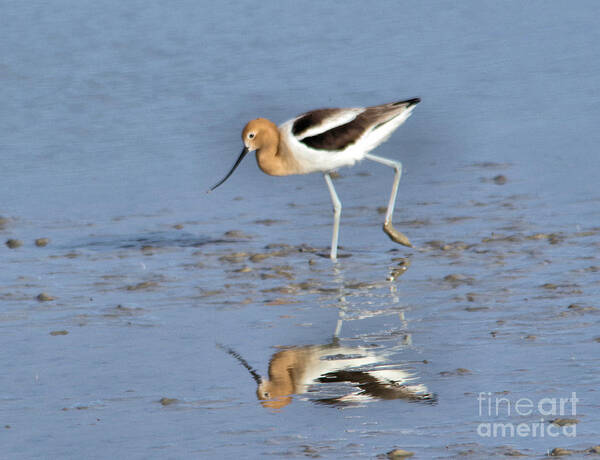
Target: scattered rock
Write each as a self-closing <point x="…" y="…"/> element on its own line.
<point x="13" y="244"/>
<point x="280" y="301"/>
<point x="459" y="371"/>
<point x="539" y="236"/>
<point x="167" y="401"/>
<point x="259" y="257"/>
<point x="558" y="451"/>
<point x="41" y="242"/>
<point x="500" y="179"/>
<point x="443" y="246"/>
<point x="456" y="279"/>
<point x="435" y="244"/>
<point x="530" y="337"/>
<point x="142" y="285"/>
<point x="564" y="421"/>
<point x="381" y="210"/>
<point x="234" y="257"/>
<point x="498" y="238"/>
<point x="43" y="297"/>
<point x="267" y="222"/>
<point x="555" y="238"/>
<point x="415" y="223"/>
<point x="576" y="308"/>
<point x="309" y="451"/>
<point x="243" y="270"/>
<point x="594" y="450"/>
<point x="476" y="308"/>
<point x="513" y="453"/>
<point x="549" y="286"/>
<point x="399" y="453"/>
<point x="178" y="226"/>
<point x="236" y="234"/>
<point x="59" y="332"/>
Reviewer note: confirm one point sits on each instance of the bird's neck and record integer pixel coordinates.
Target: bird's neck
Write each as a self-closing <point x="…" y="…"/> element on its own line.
<point x="274" y="157"/>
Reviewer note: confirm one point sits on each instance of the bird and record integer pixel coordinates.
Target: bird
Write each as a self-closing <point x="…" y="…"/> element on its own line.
<point x="324" y="140"/>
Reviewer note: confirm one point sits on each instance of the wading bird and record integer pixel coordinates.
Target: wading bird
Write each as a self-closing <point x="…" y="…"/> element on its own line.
<point x="324" y="140"/>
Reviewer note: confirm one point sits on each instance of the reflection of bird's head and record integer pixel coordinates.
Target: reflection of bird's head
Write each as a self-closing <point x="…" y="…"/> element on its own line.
<point x="270" y="398"/>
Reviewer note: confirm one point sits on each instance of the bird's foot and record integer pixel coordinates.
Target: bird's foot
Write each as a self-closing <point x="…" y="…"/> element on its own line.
<point x="395" y="235"/>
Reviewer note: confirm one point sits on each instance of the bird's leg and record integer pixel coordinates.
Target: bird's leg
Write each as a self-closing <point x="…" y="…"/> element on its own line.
<point x="388" y="228"/>
<point x="337" y="211"/>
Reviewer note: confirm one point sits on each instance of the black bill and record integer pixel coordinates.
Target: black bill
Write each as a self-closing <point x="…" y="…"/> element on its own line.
<point x="238" y="161"/>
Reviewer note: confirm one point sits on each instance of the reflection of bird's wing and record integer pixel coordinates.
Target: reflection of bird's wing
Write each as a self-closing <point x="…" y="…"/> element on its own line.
<point x="324" y="360"/>
<point x="385" y="384"/>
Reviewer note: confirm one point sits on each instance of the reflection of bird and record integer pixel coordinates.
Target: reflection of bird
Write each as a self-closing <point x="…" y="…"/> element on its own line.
<point x="294" y="370"/>
<point x="324" y="140"/>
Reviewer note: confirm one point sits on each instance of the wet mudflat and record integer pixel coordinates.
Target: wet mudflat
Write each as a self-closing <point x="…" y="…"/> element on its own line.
<point x="142" y="318"/>
<point x="112" y="337"/>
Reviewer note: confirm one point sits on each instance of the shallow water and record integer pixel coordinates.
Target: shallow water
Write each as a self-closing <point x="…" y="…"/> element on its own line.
<point x="117" y="117"/>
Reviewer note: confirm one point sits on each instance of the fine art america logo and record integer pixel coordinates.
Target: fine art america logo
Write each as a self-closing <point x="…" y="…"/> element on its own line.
<point x="543" y="411"/>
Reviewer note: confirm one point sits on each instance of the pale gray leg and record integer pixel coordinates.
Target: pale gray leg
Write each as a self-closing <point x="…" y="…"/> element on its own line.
<point x="337" y="211"/>
<point x="394" y="234"/>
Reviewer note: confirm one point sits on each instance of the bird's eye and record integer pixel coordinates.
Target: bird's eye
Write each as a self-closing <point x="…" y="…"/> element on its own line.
<point x="251" y="136"/>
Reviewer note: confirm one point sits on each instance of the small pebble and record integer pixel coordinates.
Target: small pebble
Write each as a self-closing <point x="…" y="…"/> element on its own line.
<point x="399" y="453"/>
<point x="564" y="421"/>
<point x="558" y="451"/>
<point x="43" y="297"/>
<point x="41" y="242"/>
<point x="142" y="285"/>
<point x="500" y="179"/>
<point x="59" y="332"/>
<point x="168" y="401"/>
<point x="235" y="234"/>
<point x="13" y="244"/>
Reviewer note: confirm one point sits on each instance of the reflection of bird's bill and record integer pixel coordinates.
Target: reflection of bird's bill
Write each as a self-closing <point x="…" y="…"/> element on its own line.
<point x="255" y="375"/>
